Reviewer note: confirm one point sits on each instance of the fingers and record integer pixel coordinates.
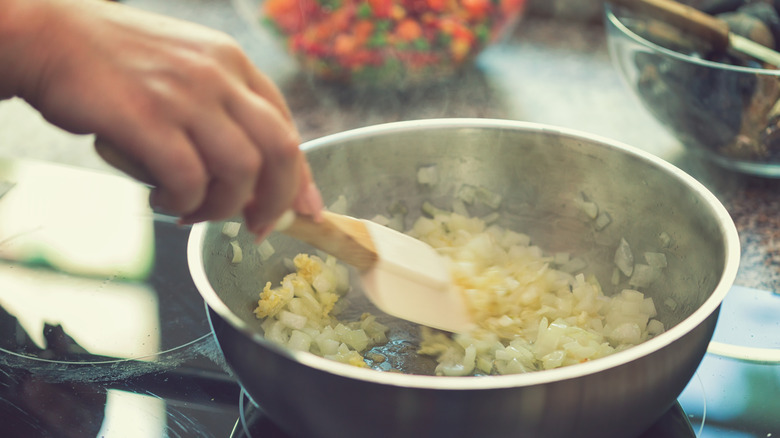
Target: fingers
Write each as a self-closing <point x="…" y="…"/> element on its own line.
<point x="164" y="158"/>
<point x="262" y="86"/>
<point x="233" y="162"/>
<point x="309" y="200"/>
<point x="278" y="182"/>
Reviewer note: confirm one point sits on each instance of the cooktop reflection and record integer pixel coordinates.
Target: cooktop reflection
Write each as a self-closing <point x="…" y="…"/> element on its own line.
<point x="253" y="423"/>
<point x="103" y="333"/>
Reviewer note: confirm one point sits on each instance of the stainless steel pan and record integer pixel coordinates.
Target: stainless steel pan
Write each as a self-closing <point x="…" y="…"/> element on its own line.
<point x="540" y="172"/>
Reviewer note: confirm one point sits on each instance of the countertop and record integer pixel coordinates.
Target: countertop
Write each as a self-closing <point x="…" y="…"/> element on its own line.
<point x="551" y="71"/>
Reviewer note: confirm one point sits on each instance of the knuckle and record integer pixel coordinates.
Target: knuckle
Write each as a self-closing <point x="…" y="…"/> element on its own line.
<point x="224" y="52"/>
<point x="185" y="186"/>
<point x="288" y="151"/>
<point x="243" y="165"/>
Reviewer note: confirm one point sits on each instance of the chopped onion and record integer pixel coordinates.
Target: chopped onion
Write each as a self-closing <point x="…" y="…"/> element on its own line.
<point x="431" y="210"/>
<point x="656" y="259"/>
<point x="531" y="316"/>
<point x="643" y="275"/>
<point x="467" y="193"/>
<point x="535" y="311"/>
<point x="292" y="320"/>
<point x="590" y="208"/>
<point x="489" y="198"/>
<point x="574" y="265"/>
<point x="561" y="258"/>
<point x="300" y="313"/>
<point x="381" y="220"/>
<point x="339" y="205"/>
<point x="238" y="255"/>
<point x="398" y="212"/>
<point x="624" y="259"/>
<point x="265" y="250"/>
<point x="428" y="175"/>
<point x="602" y="220"/>
<point x="459" y="207"/>
<point x="615" y="280"/>
<point x="230" y="229"/>
<point x="665" y="239"/>
<point x="490" y="218"/>
<point x="299" y="341"/>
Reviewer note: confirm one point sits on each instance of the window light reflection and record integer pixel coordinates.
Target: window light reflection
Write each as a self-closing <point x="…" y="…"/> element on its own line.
<point x="130" y="415"/>
<point x="114" y="319"/>
<point x="78" y="221"/>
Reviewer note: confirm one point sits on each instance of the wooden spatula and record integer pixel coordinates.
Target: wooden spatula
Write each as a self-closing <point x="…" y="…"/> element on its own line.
<point x="401" y="275"/>
<point x="711" y="29"/>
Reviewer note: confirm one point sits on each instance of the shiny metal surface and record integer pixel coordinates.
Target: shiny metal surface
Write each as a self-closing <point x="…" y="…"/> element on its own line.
<point x="540" y="171"/>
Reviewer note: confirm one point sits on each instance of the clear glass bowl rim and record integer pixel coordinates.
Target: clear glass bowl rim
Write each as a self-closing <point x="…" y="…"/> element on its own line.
<point x="615" y="21"/>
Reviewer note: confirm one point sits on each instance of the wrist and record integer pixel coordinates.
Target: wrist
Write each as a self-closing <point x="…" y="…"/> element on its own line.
<point x="23" y="51"/>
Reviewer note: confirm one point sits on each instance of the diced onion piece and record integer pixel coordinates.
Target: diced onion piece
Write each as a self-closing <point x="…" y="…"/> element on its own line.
<point x="428" y="175"/>
<point x="602" y="220"/>
<point x="561" y="258"/>
<point x="339" y="205"/>
<point x="626" y="333"/>
<point x="299" y="341"/>
<point x="665" y="239"/>
<point x="574" y="265"/>
<point x="292" y="320"/>
<point x="396" y="222"/>
<point x="381" y="220"/>
<point x="431" y="210"/>
<point x="532" y="316"/>
<point x="656" y="259"/>
<point x="624" y="259"/>
<point x="459" y="207"/>
<point x="467" y="193"/>
<point x="655" y="327"/>
<point x="238" y="255"/>
<point x="230" y="229"/>
<point x="265" y="250"/>
<point x="490" y="218"/>
<point x="670" y="303"/>
<point x="488" y="197"/>
<point x="590" y="208"/>
<point x="615" y="280"/>
<point x="643" y="276"/>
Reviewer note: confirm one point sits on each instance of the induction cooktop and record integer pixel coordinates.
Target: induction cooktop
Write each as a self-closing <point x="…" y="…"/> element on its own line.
<point x="103" y="333"/>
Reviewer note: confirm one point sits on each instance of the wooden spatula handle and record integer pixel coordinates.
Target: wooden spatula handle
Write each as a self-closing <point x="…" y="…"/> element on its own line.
<point x="344" y="237"/>
<point x="687" y="18"/>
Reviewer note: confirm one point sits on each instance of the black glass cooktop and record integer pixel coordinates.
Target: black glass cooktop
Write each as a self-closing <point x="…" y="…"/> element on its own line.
<point x="103" y="333"/>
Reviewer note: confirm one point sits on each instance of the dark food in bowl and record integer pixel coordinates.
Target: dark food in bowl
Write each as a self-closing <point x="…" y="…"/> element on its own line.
<point x="723" y="105"/>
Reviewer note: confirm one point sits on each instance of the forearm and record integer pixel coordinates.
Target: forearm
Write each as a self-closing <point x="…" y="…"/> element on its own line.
<point x="22" y="56"/>
<point x="182" y="100"/>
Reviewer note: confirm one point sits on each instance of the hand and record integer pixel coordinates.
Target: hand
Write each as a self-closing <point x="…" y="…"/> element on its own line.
<point x="181" y="100"/>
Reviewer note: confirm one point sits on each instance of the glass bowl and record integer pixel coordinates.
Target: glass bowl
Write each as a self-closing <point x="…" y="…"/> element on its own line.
<point x="383" y="42"/>
<point x="718" y="106"/>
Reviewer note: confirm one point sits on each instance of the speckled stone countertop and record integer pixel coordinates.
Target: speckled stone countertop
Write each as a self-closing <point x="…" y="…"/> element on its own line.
<point x="549" y="71"/>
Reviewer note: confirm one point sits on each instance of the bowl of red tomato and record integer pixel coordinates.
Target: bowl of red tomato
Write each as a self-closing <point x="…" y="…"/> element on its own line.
<point x="384" y="42"/>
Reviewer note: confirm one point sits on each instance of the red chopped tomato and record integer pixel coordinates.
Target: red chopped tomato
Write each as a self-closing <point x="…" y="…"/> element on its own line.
<point x="341" y="38"/>
<point x="477" y="8"/>
<point x="381" y="8"/>
<point x="290" y="15"/>
<point x="408" y="30"/>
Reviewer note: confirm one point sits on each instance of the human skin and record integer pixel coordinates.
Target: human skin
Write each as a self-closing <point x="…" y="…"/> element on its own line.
<point x="180" y="100"/>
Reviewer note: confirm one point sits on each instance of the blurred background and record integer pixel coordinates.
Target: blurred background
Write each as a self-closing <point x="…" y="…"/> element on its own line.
<point x="552" y="67"/>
